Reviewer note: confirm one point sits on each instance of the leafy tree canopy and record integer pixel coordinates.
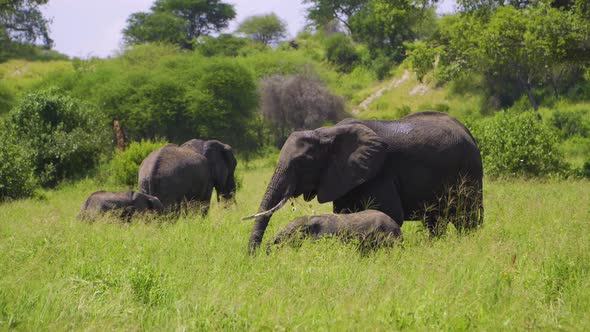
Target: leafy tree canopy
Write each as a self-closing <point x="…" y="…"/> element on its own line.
<point x="322" y="12"/>
<point x="385" y="25"/>
<point x="178" y="21"/>
<point x="267" y="29"/>
<point x="518" y="51"/>
<point x="22" y="21"/>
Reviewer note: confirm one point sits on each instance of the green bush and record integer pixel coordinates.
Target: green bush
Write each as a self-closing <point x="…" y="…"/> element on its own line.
<point x="227" y="103"/>
<point x="341" y="52"/>
<point x="585" y="170"/>
<point x="125" y="164"/>
<point x="421" y="57"/>
<point x="572" y="123"/>
<point x="381" y="65"/>
<point x="155" y="92"/>
<point x="225" y="45"/>
<point x="64" y="136"/>
<point x="6" y="98"/>
<point x="16" y="170"/>
<point x="518" y="145"/>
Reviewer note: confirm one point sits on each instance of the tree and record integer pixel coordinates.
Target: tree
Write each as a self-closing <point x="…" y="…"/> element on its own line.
<point x="64" y="136"/>
<point x="22" y="21"/>
<point x="22" y="25"/>
<point x="225" y="44"/>
<point x="154" y="27"/>
<point x="267" y="29"/>
<point x="385" y="25"/>
<point x="340" y="52"/>
<point x="323" y="12"/>
<point x="178" y="21"/>
<point x="517" y="52"/>
<point x="527" y="46"/>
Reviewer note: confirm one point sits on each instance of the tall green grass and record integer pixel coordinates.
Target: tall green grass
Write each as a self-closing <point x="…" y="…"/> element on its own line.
<point x="527" y="268"/>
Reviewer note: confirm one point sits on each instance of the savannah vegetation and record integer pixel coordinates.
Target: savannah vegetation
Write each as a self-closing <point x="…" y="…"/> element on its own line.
<point x="515" y="72"/>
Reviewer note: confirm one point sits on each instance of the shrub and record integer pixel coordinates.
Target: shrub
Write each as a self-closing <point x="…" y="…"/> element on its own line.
<point x="125" y="164"/>
<point x="341" y="52"/>
<point x="297" y="102"/>
<point x="421" y="57"/>
<point x="226" y="110"/>
<point x="518" y="145"/>
<point x="585" y="170"/>
<point x="571" y="123"/>
<point x="225" y="45"/>
<point x="65" y="137"/>
<point x="16" y="170"/>
<point x="381" y="65"/>
<point x="6" y="98"/>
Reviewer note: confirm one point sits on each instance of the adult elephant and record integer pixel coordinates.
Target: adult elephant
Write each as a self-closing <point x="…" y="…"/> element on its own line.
<point x="404" y="168"/>
<point x="189" y="173"/>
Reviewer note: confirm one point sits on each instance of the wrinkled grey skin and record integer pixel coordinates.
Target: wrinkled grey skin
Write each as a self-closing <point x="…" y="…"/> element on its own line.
<point x="401" y="168"/>
<point x="189" y="173"/>
<point x="124" y="203"/>
<point x="371" y="228"/>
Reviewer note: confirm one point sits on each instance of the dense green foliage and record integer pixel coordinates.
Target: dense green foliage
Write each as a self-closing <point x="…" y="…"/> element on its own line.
<point x="21" y="24"/>
<point x="155" y="91"/>
<point x="125" y="164"/>
<point x="518" y="145"/>
<point x="64" y="136"/>
<point x="267" y="29"/>
<point x="223" y="45"/>
<point x="539" y="52"/>
<point x="341" y="52"/>
<point x="383" y="26"/>
<point x="16" y="169"/>
<point x="178" y="21"/>
<point x="572" y="123"/>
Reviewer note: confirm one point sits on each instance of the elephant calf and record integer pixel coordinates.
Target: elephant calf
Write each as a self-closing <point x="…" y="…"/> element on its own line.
<point x="123" y="203"/>
<point x="371" y="228"/>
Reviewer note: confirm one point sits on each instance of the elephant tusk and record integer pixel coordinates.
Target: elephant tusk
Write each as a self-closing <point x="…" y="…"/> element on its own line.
<point x="269" y="212"/>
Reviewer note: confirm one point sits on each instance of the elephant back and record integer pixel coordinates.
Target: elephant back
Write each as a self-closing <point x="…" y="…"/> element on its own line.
<point x="173" y="173"/>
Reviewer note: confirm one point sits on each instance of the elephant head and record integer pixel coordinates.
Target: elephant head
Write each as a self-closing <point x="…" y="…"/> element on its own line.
<point x="221" y="162"/>
<point x="143" y="202"/>
<point x="326" y="162"/>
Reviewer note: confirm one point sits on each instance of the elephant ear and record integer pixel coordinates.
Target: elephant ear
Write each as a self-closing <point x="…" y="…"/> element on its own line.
<point x="356" y="154"/>
<point x="221" y="161"/>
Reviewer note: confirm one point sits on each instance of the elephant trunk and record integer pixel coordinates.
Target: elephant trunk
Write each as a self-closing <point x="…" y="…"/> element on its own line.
<point x="277" y="191"/>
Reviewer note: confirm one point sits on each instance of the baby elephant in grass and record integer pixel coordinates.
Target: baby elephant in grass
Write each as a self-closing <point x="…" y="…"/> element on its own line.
<point x="371" y="228"/>
<point x="122" y="203"/>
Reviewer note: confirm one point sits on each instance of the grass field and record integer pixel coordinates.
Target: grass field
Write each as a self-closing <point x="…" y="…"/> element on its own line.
<point x="527" y="268"/>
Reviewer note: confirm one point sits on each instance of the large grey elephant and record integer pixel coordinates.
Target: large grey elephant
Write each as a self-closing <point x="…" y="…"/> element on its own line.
<point x="189" y="173"/>
<point x="371" y="228"/>
<point x="123" y="203"/>
<point x="404" y="168"/>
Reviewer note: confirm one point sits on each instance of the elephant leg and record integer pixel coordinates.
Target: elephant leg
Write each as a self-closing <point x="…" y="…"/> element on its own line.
<point x="378" y="194"/>
<point x="127" y="213"/>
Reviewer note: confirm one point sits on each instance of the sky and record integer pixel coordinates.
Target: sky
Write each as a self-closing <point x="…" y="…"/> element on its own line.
<point x="91" y="28"/>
